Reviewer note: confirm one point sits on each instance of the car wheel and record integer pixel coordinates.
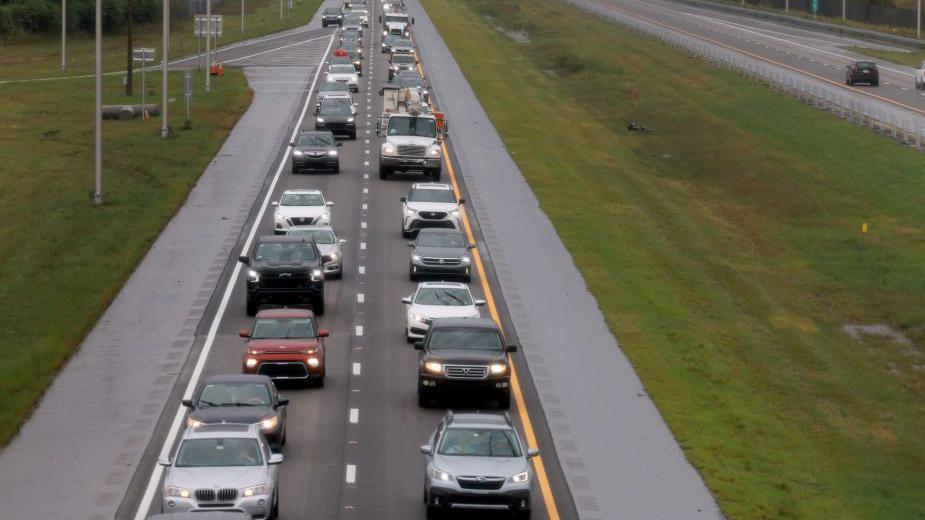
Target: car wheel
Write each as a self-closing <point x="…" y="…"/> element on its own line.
<point x="320" y="382"/>
<point x="295" y="170"/>
<point x="504" y="401"/>
<point x="432" y="513"/>
<point x="337" y="169"/>
<point x="412" y="275"/>
<point x="383" y="172"/>
<point x="318" y="305"/>
<point x="435" y="175"/>
<point x="423" y="399"/>
<point x="467" y="278"/>
<point x="523" y="515"/>
<point x="353" y="136"/>
<point x="252" y="305"/>
<point x="274" y="512"/>
<point x="876" y="83"/>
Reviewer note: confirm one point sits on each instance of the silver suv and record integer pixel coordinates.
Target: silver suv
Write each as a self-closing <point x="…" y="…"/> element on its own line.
<point x="477" y="461"/>
<point x="223" y="467"/>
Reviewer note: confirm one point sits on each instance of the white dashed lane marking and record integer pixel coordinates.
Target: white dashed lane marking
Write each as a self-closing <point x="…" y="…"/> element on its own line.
<point x="354" y="415"/>
<point x="351" y="474"/>
<point x="356" y="369"/>
<point x="359" y="331"/>
<point x="362" y="269"/>
<point x="361" y="297"/>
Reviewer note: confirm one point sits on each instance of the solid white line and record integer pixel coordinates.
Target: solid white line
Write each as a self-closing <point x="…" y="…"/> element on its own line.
<point x="361" y="297"/>
<point x="273" y="50"/>
<point x="351" y="473"/>
<point x="359" y="330"/>
<point x="356" y="369"/>
<point x="354" y="415"/>
<point x="174" y="430"/>
<point x="362" y="269"/>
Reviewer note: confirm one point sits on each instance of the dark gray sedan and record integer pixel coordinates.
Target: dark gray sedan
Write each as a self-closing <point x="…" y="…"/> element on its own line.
<point x="315" y="150"/>
<point x="336" y="118"/>
<point x="440" y="253"/>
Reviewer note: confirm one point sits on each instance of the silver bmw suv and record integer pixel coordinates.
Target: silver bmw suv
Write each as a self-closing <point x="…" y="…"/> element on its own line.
<point x="223" y="467"/>
<point x="477" y="461"/>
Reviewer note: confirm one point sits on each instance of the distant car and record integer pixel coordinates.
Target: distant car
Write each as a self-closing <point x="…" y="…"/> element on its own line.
<point x="402" y="62"/>
<point x="440" y="253"/>
<point x="352" y="22"/>
<point x="429" y="205"/>
<point x="362" y="13"/>
<point x="434" y="300"/>
<point x="328" y="244"/>
<point x="337" y="99"/>
<point x="284" y="270"/>
<point x="315" y="150"/>
<point x="402" y="46"/>
<point x="464" y="356"/>
<point x="222" y="466"/>
<point x="285" y="345"/>
<point x="350" y="34"/>
<point x="331" y="16"/>
<point x="240" y="399"/>
<point x="339" y="119"/>
<point x="203" y="515"/>
<point x="919" y="76"/>
<point x="344" y="74"/>
<point x="409" y="78"/>
<point x="300" y="207"/>
<point x="477" y="461"/>
<point x="387" y="42"/>
<point x="862" y="72"/>
<point x="332" y="88"/>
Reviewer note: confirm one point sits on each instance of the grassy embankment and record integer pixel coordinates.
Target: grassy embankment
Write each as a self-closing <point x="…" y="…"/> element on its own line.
<point x="40" y="56"/>
<point x="723" y="251"/>
<point x="912" y="58"/>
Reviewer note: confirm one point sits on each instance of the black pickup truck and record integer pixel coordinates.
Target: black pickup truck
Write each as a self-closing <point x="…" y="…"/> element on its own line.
<point x="284" y="269"/>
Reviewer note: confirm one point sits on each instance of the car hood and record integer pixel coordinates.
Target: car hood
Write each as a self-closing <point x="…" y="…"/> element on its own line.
<point x="232" y="414"/>
<point x="440" y="252"/>
<point x="480" y="466"/>
<point x="282" y="346"/>
<point x="301" y="211"/>
<point x="313" y="148"/>
<point x="410" y="139"/>
<point x="327" y="249"/>
<point x="466" y="356"/>
<point x="342" y="77"/>
<point x="221" y="477"/>
<point x="433" y="206"/>
<point x="335" y="118"/>
<point x="445" y="311"/>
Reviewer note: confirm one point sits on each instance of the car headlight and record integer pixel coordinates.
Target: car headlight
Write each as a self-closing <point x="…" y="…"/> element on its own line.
<point x="250" y="362"/>
<point x="498" y="368"/>
<point x="173" y="491"/>
<point x="269" y="423"/>
<point x="253" y="276"/>
<point x="454" y="213"/>
<point x="193" y="423"/>
<point x="259" y="489"/>
<point x="319" y="119"/>
<point x="297" y="153"/>
<point x="385" y="33"/>
<point x="434" y="367"/>
<point x="349" y="119"/>
<point x="521" y="477"/>
<point x="333" y="257"/>
<point x="417" y="317"/>
<point x="313" y="362"/>
<point x="434" y="152"/>
<point x="332" y="153"/>
<point x="416" y="258"/>
<point x="439" y="474"/>
<point x="317" y="275"/>
<point x="409" y="212"/>
<point x="388" y="149"/>
<point x="466" y="260"/>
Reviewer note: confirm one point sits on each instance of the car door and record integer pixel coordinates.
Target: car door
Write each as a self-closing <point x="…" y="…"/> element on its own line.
<point x="281" y="411"/>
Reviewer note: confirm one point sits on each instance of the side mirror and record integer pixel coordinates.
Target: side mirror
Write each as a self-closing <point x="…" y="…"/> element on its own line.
<point x="244" y="333"/>
<point x="403" y="199"/>
<point x="470" y="246"/>
<point x="381" y="91"/>
<point x="275" y="203"/>
<point x="380" y="19"/>
<point x="246" y="260"/>
<point x="339" y="144"/>
<point x="283" y="402"/>
<point x="276" y="458"/>
<point x="187" y="403"/>
<point x="418" y="345"/>
<point x="291" y="143"/>
<point x="512" y="348"/>
<point x="462" y="201"/>
<point x="479" y="303"/>
<point x="532" y="452"/>
<point x="329" y="203"/>
<point x="410" y="244"/>
<point x="412" y="21"/>
<point x="326" y="258"/>
<point x="406" y="300"/>
<point x="427" y="449"/>
<point x="341" y="240"/>
<point x="164" y="461"/>
<point x="323" y="333"/>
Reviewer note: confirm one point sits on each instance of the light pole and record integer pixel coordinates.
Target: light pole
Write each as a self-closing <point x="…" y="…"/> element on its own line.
<point x="844" y="15"/>
<point x="280" y="9"/>
<point x="63" y="34"/>
<point x="208" y="46"/>
<point x="918" y="19"/>
<point x="165" y="57"/>
<point x="98" y="145"/>
<point x="242" y="16"/>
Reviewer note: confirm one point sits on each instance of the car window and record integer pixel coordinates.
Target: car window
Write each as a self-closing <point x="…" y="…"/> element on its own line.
<point x="212" y="453"/>
<point x="234" y="394"/>
<point x="441" y="240"/>
<point x="866" y="64"/>
<point x="342" y="69"/>
<point x="301" y="199"/>
<point x="318" y="236"/>
<point x="465" y="339"/>
<point x="443" y="296"/>
<point x="334" y="86"/>
<point x="426" y="195"/>
<point x="403" y="59"/>
<point x="414" y="126"/>
<point x="470" y="442"/>
<point x="335" y="110"/>
<point x="315" y="140"/>
<point x="277" y="252"/>
<point x="283" y="328"/>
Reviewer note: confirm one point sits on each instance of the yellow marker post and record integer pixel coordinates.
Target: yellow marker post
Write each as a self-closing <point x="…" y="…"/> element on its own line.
<point x="861" y="241"/>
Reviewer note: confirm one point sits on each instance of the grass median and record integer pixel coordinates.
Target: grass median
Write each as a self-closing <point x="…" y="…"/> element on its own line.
<point x="63" y="259"/>
<point x="724" y="249"/>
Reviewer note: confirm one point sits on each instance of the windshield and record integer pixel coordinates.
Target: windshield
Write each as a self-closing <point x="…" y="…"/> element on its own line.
<point x="413" y="126"/>
<point x="441" y="240"/>
<point x="466" y="339"/>
<point x="334" y="86"/>
<point x="866" y="64"/>
<point x="332" y="10"/>
<point x="283" y="328"/>
<point x="350" y="45"/>
<point x="234" y="394"/>
<point x="403" y="59"/>
<point x="408" y="80"/>
<point x="278" y="252"/>
<point x="343" y="69"/>
<point x="211" y="453"/>
<point x="479" y="443"/>
<point x="335" y="110"/>
<point x="432" y="196"/>
<point x="301" y="199"/>
<point x="400" y="18"/>
<point x="315" y="140"/>
<point x="328" y="101"/>
<point x="319" y="236"/>
<point x="403" y="42"/>
<point x="443" y="296"/>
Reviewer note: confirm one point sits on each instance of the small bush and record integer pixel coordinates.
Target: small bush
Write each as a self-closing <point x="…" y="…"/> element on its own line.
<point x="35" y="16"/>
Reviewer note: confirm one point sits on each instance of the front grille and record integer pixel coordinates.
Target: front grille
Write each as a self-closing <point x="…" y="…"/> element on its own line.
<point x="411" y="149"/>
<point x="302" y="221"/>
<point x="395" y="32"/>
<point x="440" y="224"/>
<point x="486" y="483"/>
<point x="433" y="215"/>
<point x="284" y="280"/>
<point x="221" y="495"/>
<point x="445" y="262"/>
<point x="283" y="370"/>
<point x="465" y="371"/>
<point x="316" y="155"/>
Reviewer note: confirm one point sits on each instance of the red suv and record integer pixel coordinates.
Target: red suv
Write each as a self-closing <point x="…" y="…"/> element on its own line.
<point x="285" y="344"/>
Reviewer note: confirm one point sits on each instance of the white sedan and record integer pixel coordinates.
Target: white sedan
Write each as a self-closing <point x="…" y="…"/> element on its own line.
<point x="433" y="300"/>
<point x="344" y="74"/>
<point x="301" y="208"/>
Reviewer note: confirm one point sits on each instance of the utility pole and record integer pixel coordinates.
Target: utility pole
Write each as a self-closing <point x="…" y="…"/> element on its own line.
<point x="98" y="145"/>
<point x="918" y="19"/>
<point x="164" y="56"/>
<point x="128" y="67"/>
<point x="280" y="9"/>
<point x="844" y="14"/>
<point x="63" y="34"/>
<point x="208" y="46"/>
<point x="242" y="16"/>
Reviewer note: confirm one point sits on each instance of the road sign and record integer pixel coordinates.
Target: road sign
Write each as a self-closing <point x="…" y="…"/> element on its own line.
<point x="143" y="54"/>
<point x="815" y="6"/>
<point x="199" y="25"/>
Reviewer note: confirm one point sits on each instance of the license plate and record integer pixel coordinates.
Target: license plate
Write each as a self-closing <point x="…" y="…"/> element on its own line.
<point x="865" y="71"/>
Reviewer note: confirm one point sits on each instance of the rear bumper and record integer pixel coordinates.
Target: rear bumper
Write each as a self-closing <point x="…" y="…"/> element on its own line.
<point x="337" y="128"/>
<point x="436" y="270"/>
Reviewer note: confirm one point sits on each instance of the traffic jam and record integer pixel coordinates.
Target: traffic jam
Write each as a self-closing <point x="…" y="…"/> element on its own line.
<point x="234" y="439"/>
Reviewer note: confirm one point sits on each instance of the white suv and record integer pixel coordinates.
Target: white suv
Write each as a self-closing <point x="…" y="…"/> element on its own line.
<point x="432" y="300"/>
<point x="301" y="208"/>
<point x="429" y="205"/>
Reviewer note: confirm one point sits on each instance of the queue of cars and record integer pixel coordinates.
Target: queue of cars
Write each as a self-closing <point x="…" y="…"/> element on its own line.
<point x="229" y="455"/>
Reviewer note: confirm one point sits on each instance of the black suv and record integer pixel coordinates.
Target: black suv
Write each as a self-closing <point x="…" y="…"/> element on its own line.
<point x="466" y="355"/>
<point x="284" y="269"/>
<point x="331" y="16"/>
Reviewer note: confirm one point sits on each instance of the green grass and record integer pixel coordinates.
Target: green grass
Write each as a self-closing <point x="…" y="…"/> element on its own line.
<point x="40" y="56"/>
<point x="723" y="251"/>
<point x="911" y="58"/>
<point x="63" y="259"/>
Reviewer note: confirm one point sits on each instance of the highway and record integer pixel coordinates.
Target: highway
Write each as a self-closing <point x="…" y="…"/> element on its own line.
<point x="352" y="448"/>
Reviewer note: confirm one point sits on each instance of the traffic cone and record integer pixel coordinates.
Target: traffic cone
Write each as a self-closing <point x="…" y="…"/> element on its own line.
<point x="213" y="70"/>
<point x="221" y="69"/>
